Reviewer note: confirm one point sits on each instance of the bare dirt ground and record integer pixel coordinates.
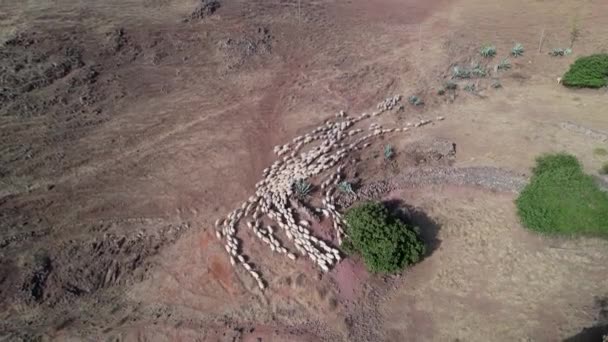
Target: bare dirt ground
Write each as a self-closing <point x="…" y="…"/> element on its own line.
<point x="128" y="127"/>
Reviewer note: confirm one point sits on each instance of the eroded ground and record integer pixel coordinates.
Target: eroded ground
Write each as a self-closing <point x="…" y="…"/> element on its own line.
<point x="127" y="130"/>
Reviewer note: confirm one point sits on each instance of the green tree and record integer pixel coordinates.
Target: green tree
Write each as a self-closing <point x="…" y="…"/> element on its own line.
<point x="386" y="243"/>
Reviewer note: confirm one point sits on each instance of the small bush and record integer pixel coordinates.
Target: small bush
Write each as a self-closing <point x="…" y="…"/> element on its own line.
<point x="389" y="152"/>
<point x="302" y="188"/>
<point x="561" y="199"/>
<point x="460" y="72"/>
<point x="559" y="52"/>
<point x="386" y="243"/>
<point x="441" y="92"/>
<point x="488" y="51"/>
<point x="496" y="84"/>
<point x="588" y="72"/>
<point x="517" y="50"/>
<point x="504" y="64"/>
<point x="479" y="71"/>
<point x="415" y="100"/>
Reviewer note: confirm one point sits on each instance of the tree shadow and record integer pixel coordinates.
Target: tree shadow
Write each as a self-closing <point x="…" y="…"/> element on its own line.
<point x="598" y="331"/>
<point x="429" y="228"/>
<point x="592" y="334"/>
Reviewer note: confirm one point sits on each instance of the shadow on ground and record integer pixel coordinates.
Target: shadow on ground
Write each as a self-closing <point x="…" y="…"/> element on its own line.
<point x="598" y="331"/>
<point x="429" y="229"/>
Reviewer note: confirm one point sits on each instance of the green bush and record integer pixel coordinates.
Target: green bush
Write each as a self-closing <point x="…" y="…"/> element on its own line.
<point x="588" y="72"/>
<point x="560" y="198"/>
<point x="386" y="243"/>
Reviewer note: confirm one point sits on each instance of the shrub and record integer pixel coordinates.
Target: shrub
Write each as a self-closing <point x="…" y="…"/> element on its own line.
<point x="415" y="100"/>
<point x="559" y="52"/>
<point x="561" y="199"/>
<point x="302" y="188"/>
<point x="488" y="51"/>
<point x="588" y="72"/>
<point x="479" y="71"/>
<point x="504" y="64"/>
<point x="386" y="243"/>
<point x="460" y="72"/>
<point x="469" y="87"/>
<point x="389" y="152"/>
<point x="517" y="50"/>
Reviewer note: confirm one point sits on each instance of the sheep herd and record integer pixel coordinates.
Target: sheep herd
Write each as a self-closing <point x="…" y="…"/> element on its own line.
<point x="327" y="147"/>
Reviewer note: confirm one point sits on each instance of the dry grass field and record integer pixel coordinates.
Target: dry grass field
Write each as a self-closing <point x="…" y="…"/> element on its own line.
<point x="128" y="127"/>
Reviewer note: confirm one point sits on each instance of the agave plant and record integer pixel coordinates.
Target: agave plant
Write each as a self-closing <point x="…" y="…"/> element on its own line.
<point x="504" y="64"/>
<point x="346" y="187"/>
<point x="478" y="70"/>
<point x="558" y="52"/>
<point x="487" y="51"/>
<point x="415" y="100"/>
<point x="302" y="188"/>
<point x="388" y="152"/>
<point x="517" y="50"/>
<point x="460" y="72"/>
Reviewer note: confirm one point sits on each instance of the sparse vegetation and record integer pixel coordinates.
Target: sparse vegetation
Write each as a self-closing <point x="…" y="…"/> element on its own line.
<point x="415" y="100"/>
<point x="561" y="199"/>
<point x="389" y="152"/>
<point x="451" y="85"/>
<point x="346" y="187"/>
<point x="386" y="243"/>
<point x="478" y="70"/>
<point x="604" y="169"/>
<point x="460" y="72"/>
<point x="504" y="64"/>
<point x="517" y="50"/>
<point x="470" y="87"/>
<point x="302" y="188"/>
<point x="487" y="51"/>
<point x="588" y="72"/>
<point x="496" y="84"/>
<point x="559" y="52"/>
<point x="600" y="151"/>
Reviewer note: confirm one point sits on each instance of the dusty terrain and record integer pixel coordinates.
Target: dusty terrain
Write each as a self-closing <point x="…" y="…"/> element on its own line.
<point x="127" y="127"/>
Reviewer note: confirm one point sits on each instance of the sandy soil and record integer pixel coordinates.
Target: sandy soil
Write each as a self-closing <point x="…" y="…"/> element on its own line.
<point x="127" y="127"/>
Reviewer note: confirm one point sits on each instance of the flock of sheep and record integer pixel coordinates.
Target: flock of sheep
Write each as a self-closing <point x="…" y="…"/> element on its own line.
<point x="276" y="200"/>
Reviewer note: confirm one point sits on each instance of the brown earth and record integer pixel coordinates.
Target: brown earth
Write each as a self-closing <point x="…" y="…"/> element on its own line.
<point x="128" y="127"/>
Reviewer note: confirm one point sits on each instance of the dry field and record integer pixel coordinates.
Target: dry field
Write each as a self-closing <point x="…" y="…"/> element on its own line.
<point x="128" y="127"/>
